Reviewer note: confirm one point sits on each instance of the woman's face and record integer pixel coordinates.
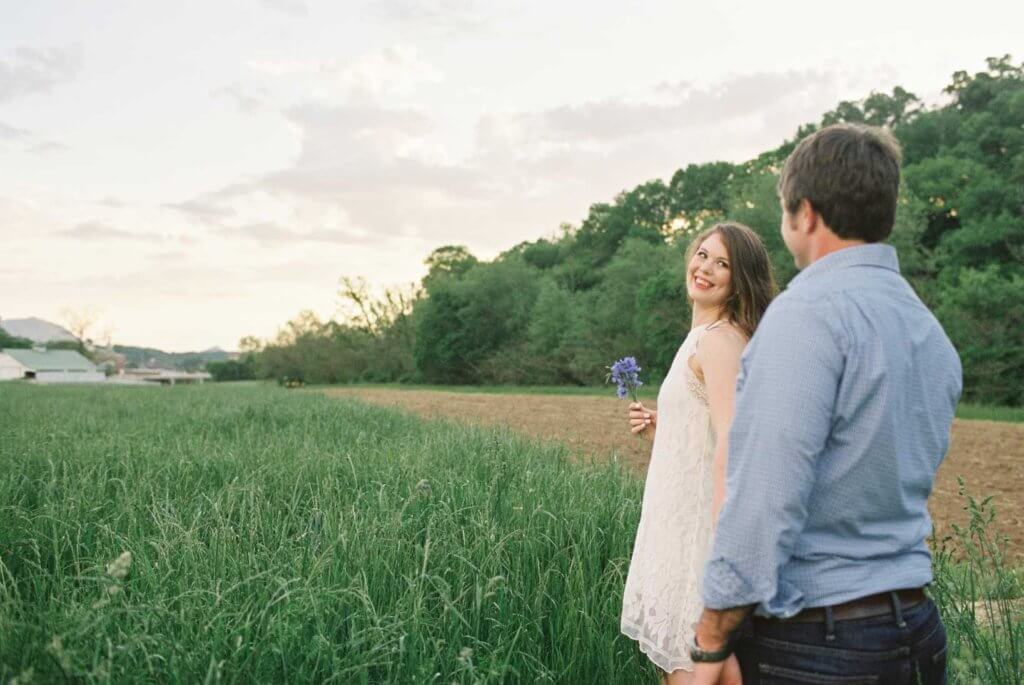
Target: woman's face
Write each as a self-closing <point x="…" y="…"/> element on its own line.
<point x="708" y="275"/>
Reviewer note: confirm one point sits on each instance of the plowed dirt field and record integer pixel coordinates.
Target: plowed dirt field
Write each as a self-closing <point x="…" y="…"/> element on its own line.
<point x="988" y="455"/>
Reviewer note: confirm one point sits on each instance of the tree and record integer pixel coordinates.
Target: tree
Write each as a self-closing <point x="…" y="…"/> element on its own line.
<point x="662" y="317"/>
<point x="387" y="323"/>
<point x="546" y="354"/>
<point x="754" y="202"/>
<point x="975" y="93"/>
<point x="243" y="369"/>
<point x="551" y="312"/>
<point x="699" y="195"/>
<point x="80" y="321"/>
<point x="250" y="344"/>
<point x="463" y="322"/>
<point x="13" y="342"/>
<point x="542" y="254"/>
<point x="441" y="344"/>
<point x="982" y="311"/>
<point x="891" y="110"/>
<point x="448" y="261"/>
<point x="608" y="323"/>
<point x="918" y="261"/>
<point x="642" y="213"/>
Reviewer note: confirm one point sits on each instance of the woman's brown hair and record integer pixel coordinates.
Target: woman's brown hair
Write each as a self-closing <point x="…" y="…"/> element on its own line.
<point x="751" y="279"/>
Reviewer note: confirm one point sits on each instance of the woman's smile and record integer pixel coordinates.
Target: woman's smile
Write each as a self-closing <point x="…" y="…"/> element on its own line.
<point x="702" y="283"/>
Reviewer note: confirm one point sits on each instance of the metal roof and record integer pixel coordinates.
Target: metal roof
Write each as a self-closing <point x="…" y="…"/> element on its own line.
<point x="51" y="360"/>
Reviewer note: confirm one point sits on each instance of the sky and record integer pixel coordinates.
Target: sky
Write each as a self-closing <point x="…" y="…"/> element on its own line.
<point x="194" y="172"/>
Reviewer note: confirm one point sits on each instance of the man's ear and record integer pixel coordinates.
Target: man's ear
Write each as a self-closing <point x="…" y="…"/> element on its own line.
<point x="810" y="220"/>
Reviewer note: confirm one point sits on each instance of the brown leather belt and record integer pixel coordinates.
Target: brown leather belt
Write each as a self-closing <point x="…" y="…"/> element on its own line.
<point x="862" y="607"/>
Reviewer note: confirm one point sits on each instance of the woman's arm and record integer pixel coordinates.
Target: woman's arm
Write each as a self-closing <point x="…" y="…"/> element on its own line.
<point x="718" y="356"/>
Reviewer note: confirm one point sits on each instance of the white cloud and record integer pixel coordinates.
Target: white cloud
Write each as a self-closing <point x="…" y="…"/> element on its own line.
<point x="35" y="70"/>
<point x="97" y="230"/>
<point x="398" y="69"/>
<point x="13" y="133"/>
<point x="443" y="16"/>
<point x="295" y="7"/>
<point x="26" y="141"/>
<point x="677" y="109"/>
<point x="361" y="171"/>
<point x="379" y="168"/>
<point x="100" y="231"/>
<point x="48" y="147"/>
<point x="248" y="100"/>
<point x="268" y="233"/>
<point x="392" y="71"/>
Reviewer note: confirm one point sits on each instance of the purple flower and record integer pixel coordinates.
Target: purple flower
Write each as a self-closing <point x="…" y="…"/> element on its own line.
<point x="626" y="375"/>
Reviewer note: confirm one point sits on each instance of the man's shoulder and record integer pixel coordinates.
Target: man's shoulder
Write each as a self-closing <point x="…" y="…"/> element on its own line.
<point x="801" y="319"/>
<point x="796" y="303"/>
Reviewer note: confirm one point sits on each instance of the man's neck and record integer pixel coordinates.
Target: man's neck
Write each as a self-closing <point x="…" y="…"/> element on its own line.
<point x="827" y="247"/>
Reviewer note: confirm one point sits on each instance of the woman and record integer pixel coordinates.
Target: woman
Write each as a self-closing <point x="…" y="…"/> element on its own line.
<point x="729" y="284"/>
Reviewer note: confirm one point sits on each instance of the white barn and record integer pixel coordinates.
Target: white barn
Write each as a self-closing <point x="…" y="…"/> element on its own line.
<point x="48" y="366"/>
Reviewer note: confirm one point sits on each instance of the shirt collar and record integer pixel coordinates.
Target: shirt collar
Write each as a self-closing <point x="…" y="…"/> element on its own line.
<point x="872" y="254"/>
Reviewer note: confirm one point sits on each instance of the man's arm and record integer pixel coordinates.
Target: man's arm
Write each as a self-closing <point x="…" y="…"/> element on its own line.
<point x="785" y="404"/>
<point x="715" y="628"/>
<point x="714" y="632"/>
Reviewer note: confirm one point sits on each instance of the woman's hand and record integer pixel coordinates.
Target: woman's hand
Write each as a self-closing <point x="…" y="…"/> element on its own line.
<point x="641" y="418"/>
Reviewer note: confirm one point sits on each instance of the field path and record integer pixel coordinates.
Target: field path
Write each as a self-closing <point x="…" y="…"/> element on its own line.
<point x="988" y="455"/>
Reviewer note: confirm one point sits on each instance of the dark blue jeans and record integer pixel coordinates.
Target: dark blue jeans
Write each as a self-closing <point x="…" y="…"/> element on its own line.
<point x="864" y="650"/>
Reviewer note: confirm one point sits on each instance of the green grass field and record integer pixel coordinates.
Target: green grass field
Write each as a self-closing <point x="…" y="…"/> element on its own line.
<point x="964" y="411"/>
<point x="278" y="536"/>
<point x="606" y="390"/>
<point x="977" y="411"/>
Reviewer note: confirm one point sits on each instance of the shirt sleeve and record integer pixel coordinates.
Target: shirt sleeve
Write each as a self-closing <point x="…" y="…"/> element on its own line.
<point x="785" y="400"/>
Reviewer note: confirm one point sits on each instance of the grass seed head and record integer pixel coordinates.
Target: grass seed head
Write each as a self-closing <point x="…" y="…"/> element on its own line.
<point x="118" y="568"/>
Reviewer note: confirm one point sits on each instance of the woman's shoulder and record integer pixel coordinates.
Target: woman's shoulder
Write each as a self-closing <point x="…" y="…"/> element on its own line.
<point x="724" y="332"/>
<point x="720" y="346"/>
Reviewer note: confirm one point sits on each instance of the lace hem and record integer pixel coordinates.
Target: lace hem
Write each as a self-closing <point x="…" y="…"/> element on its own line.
<point x="660" y="658"/>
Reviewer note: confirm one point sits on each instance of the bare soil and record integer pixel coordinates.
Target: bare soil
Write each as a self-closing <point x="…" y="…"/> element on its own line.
<point x="988" y="455"/>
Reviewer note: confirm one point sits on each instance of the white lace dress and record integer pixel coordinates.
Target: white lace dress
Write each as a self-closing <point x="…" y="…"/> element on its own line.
<point x="662" y="598"/>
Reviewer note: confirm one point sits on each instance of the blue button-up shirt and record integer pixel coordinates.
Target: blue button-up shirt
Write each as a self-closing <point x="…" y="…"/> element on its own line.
<point x="844" y="402"/>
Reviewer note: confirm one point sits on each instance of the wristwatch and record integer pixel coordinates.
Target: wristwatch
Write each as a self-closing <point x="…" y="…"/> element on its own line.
<point x="703" y="656"/>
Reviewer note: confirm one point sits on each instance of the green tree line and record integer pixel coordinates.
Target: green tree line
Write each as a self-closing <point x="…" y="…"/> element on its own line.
<point x="557" y="310"/>
<point x="13" y="342"/>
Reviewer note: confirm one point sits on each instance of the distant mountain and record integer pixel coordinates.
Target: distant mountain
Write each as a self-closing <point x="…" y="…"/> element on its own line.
<point x="36" y="330"/>
<point x="148" y="357"/>
<point x="41" y="332"/>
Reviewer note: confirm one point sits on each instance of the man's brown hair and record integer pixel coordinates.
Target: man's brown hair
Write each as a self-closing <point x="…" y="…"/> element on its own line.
<point x="851" y="176"/>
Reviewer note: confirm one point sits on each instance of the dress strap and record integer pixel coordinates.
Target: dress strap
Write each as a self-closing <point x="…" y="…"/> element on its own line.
<point x="715" y="324"/>
<point x="707" y="328"/>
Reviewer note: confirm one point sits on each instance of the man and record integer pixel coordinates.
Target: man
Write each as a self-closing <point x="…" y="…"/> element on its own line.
<point x="844" y="402"/>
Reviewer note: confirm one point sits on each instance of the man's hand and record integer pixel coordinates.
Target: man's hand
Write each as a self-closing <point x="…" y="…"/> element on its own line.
<point x="714" y="630"/>
<point x="723" y="673"/>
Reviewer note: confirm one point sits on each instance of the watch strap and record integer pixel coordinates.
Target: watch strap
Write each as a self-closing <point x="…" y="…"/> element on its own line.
<point x="702" y="656"/>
